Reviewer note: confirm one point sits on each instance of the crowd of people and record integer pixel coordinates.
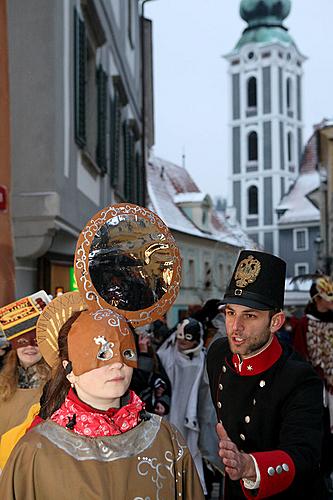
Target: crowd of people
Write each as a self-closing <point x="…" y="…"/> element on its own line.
<point x="237" y="392"/>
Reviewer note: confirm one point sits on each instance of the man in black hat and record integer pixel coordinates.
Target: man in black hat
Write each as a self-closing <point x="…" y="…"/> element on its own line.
<point x="268" y="401"/>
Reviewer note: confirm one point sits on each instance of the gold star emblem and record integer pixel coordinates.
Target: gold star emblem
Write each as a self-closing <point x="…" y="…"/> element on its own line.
<point x="250" y="368"/>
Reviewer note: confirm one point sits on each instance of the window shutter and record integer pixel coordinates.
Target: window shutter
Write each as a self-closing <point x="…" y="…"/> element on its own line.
<point x="80" y="49"/>
<point x="129" y="162"/>
<point x="102" y="80"/>
<point x="139" y="179"/>
<point x="115" y="138"/>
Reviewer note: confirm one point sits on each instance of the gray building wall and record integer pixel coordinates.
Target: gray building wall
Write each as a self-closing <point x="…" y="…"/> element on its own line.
<point x="292" y="257"/>
<point x="57" y="185"/>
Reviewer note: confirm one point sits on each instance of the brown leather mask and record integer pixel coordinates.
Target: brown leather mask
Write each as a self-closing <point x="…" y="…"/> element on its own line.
<point x="100" y="338"/>
<point x="27" y="338"/>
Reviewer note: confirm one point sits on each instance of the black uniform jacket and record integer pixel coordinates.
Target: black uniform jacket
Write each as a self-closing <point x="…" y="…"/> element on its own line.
<point x="276" y="415"/>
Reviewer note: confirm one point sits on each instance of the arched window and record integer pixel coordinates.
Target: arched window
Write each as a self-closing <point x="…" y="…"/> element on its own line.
<point x="289" y="93"/>
<point x="252" y="198"/>
<point x="252" y="92"/>
<point x="252" y="146"/>
<point x="290" y="147"/>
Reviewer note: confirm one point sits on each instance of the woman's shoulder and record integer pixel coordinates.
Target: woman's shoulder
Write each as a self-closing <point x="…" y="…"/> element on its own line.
<point x="173" y="433"/>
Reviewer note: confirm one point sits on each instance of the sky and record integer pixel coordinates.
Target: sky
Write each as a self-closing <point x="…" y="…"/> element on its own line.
<point x="191" y="81"/>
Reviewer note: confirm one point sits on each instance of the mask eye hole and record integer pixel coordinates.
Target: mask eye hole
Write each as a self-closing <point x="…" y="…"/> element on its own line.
<point x="129" y="354"/>
<point x="22" y="342"/>
<point x="188" y="336"/>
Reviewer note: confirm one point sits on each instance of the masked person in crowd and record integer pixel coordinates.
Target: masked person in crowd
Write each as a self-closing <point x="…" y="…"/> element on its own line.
<point x="150" y="380"/>
<point x="212" y="318"/>
<point x="268" y="401"/>
<point x="22" y="377"/>
<point x="314" y="340"/>
<point x="183" y="356"/>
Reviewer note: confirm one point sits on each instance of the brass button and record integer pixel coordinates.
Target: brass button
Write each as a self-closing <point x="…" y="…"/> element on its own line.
<point x="242" y="437"/>
<point x="271" y="471"/>
<point x="220" y="387"/>
<point x="285" y="467"/>
<point x="219" y="405"/>
<point x="247" y="419"/>
<point x="262" y="383"/>
<point x="278" y="469"/>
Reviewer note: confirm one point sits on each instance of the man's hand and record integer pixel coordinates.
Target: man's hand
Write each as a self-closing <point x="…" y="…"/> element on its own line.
<point x="238" y="465"/>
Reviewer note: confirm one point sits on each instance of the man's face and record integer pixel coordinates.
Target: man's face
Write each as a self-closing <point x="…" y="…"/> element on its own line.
<point x="248" y="329"/>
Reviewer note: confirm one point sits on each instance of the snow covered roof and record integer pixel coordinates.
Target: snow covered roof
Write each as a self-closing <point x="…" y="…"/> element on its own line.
<point x="297" y="207"/>
<point x="168" y="183"/>
<point x="192" y="197"/>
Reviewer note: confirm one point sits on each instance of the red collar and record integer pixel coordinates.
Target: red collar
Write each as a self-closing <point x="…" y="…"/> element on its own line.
<point x="260" y="362"/>
<point x="85" y="420"/>
<point x="74" y="398"/>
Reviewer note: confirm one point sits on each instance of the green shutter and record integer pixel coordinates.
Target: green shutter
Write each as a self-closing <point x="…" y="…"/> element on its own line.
<point x="102" y="81"/>
<point x="80" y="56"/>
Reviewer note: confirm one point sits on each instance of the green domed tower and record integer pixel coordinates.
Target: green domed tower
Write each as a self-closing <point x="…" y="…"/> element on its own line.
<point x="265" y="68"/>
<point x="264" y="18"/>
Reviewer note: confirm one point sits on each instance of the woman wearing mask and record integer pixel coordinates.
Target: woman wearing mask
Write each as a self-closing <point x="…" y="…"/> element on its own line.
<point x="97" y="440"/>
<point x="22" y="378"/>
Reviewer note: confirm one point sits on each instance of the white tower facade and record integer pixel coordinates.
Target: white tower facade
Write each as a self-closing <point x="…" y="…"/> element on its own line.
<point x="266" y="72"/>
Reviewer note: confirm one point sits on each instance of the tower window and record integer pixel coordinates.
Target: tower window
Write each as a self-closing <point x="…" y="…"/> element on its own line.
<point x="252" y="146"/>
<point x="289" y="93"/>
<point x="290" y="147"/>
<point x="253" y="200"/>
<point x="252" y="92"/>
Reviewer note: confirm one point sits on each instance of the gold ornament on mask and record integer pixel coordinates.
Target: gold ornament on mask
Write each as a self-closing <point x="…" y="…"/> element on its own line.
<point x="247" y="271"/>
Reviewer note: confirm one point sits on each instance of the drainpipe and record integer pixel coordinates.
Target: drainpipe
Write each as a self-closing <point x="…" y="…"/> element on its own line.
<point x="7" y="268"/>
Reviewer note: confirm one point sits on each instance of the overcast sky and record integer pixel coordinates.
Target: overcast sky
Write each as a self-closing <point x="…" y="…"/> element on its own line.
<point x="191" y="81"/>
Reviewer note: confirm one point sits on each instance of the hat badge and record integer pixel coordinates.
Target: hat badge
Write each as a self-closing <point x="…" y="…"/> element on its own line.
<point x="247" y="271"/>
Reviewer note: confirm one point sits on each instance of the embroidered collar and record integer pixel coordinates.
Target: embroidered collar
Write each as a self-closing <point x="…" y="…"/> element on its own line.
<point x="259" y="362"/>
<point x="91" y="422"/>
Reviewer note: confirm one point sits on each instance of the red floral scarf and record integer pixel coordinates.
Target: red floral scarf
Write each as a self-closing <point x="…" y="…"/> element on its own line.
<point x="87" y="421"/>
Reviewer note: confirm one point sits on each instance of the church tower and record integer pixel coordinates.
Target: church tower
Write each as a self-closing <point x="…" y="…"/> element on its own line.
<point x="265" y="70"/>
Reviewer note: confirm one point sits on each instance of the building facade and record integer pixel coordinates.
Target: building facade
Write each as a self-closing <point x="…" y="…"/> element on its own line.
<point x="299" y="216"/>
<point x="265" y="70"/>
<point x="77" y="133"/>
<point x="322" y="196"/>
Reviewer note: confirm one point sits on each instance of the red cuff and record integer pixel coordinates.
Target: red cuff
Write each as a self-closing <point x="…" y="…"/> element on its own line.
<point x="277" y="472"/>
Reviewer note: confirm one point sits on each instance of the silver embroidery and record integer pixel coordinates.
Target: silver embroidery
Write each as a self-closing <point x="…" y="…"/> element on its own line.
<point x="159" y="471"/>
<point x="102" y="449"/>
